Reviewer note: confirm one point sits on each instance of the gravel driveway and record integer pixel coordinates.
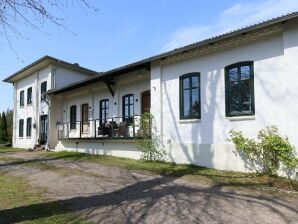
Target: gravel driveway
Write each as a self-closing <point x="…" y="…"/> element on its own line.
<point x="112" y="195"/>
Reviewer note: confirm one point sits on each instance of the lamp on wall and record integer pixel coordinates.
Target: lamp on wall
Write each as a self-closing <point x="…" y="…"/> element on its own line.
<point x="140" y="74"/>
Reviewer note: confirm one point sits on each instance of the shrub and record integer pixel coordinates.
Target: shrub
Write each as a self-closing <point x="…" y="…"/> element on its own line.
<point x="148" y="144"/>
<point x="271" y="150"/>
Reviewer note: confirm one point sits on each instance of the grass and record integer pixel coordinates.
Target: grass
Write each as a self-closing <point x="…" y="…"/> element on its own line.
<point x="4" y="149"/>
<point x="189" y="172"/>
<point x="17" y="193"/>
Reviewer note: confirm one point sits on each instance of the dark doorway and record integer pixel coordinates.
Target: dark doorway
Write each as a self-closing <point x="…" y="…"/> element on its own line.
<point x="85" y="118"/>
<point x="146" y="102"/>
<point x="43" y="129"/>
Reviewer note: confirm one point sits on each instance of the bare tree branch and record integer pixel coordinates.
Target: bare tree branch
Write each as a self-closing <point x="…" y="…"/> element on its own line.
<point x="34" y="13"/>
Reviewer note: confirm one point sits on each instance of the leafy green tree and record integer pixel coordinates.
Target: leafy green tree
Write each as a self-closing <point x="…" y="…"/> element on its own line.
<point x="3" y="128"/>
<point x="9" y="120"/>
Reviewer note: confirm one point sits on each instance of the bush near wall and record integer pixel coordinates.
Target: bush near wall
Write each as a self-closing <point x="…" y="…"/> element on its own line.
<point x="271" y="151"/>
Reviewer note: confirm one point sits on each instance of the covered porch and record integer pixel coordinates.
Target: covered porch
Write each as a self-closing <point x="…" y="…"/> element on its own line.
<point x="111" y="107"/>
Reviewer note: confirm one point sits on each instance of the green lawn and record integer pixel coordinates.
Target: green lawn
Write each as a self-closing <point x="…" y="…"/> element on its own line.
<point x="4" y="149"/>
<point x="17" y="193"/>
<point x="190" y="172"/>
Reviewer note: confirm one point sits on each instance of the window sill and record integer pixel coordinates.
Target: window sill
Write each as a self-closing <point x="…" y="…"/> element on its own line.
<point x="241" y="118"/>
<point x="186" y="121"/>
<point x="28" y="137"/>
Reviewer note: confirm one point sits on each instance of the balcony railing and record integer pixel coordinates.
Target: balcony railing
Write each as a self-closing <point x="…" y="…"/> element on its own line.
<point x="110" y="128"/>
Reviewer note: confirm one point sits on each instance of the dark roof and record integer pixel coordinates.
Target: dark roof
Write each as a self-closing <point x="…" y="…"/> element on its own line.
<point x="74" y="66"/>
<point x="147" y="61"/>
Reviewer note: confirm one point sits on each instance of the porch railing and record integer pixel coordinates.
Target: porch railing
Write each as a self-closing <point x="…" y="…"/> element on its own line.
<point x="109" y="128"/>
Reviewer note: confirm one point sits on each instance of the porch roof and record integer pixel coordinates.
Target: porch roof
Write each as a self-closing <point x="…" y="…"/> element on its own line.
<point x="207" y="42"/>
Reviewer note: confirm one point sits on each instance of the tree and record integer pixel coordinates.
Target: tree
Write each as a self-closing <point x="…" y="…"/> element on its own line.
<point x="34" y="13"/>
<point x="3" y="128"/>
<point x="9" y="120"/>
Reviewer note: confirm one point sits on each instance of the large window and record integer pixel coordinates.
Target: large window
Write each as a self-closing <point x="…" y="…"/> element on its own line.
<point x="190" y="103"/>
<point x="22" y="98"/>
<point x="239" y="82"/>
<point x="29" y="96"/>
<point x="128" y="108"/>
<point x="29" y="127"/>
<point x="103" y="111"/>
<point x="21" y="128"/>
<point x="43" y="90"/>
<point x="73" y="117"/>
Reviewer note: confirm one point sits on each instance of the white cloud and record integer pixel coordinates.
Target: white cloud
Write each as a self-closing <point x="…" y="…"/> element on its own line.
<point x="235" y="17"/>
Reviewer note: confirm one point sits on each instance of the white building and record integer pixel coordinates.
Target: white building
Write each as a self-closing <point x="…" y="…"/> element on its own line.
<point x="31" y="110"/>
<point x="243" y="80"/>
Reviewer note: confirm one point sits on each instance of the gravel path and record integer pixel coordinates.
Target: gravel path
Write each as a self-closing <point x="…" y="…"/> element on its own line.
<point x="113" y="195"/>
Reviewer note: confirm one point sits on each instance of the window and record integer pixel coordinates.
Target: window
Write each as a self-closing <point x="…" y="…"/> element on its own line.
<point x="190" y="103"/>
<point x="127" y="108"/>
<point x="29" y="127"/>
<point x="103" y="111"/>
<point x="239" y="82"/>
<point x="29" y="96"/>
<point x="21" y="128"/>
<point x="22" y="98"/>
<point x="43" y="90"/>
<point x="73" y="117"/>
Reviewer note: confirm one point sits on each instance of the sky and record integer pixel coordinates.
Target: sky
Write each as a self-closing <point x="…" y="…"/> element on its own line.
<point x="125" y="31"/>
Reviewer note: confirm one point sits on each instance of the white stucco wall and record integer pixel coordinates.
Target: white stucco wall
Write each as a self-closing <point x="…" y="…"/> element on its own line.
<point x="35" y="110"/>
<point x="61" y="77"/>
<point x="204" y="142"/>
<point x="64" y="76"/>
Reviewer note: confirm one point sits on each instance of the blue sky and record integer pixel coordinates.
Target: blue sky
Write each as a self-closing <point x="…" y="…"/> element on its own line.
<point x="122" y="32"/>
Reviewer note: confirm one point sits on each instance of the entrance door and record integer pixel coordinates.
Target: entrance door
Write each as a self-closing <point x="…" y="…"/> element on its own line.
<point x="85" y="118"/>
<point x="43" y="135"/>
<point x="146" y="102"/>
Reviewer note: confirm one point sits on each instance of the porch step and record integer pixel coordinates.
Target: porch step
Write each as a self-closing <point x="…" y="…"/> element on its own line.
<point x="40" y="147"/>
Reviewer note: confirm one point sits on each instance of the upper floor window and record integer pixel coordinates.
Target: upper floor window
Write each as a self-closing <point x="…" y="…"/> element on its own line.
<point x="190" y="103"/>
<point x="29" y="127"/>
<point x="128" y="108"/>
<point x="29" y="96"/>
<point x="103" y="110"/>
<point x="43" y="90"/>
<point x="21" y="128"/>
<point x="73" y="117"/>
<point x="239" y="80"/>
<point x="22" y="98"/>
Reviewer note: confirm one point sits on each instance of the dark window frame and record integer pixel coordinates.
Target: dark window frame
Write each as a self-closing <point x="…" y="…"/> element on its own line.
<point x="181" y="95"/>
<point x="73" y="117"/>
<point x="21" y="128"/>
<point x="103" y="110"/>
<point x="240" y="112"/>
<point x="29" y="96"/>
<point x="43" y="90"/>
<point x="129" y="118"/>
<point x="22" y="98"/>
<point x="29" y="127"/>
